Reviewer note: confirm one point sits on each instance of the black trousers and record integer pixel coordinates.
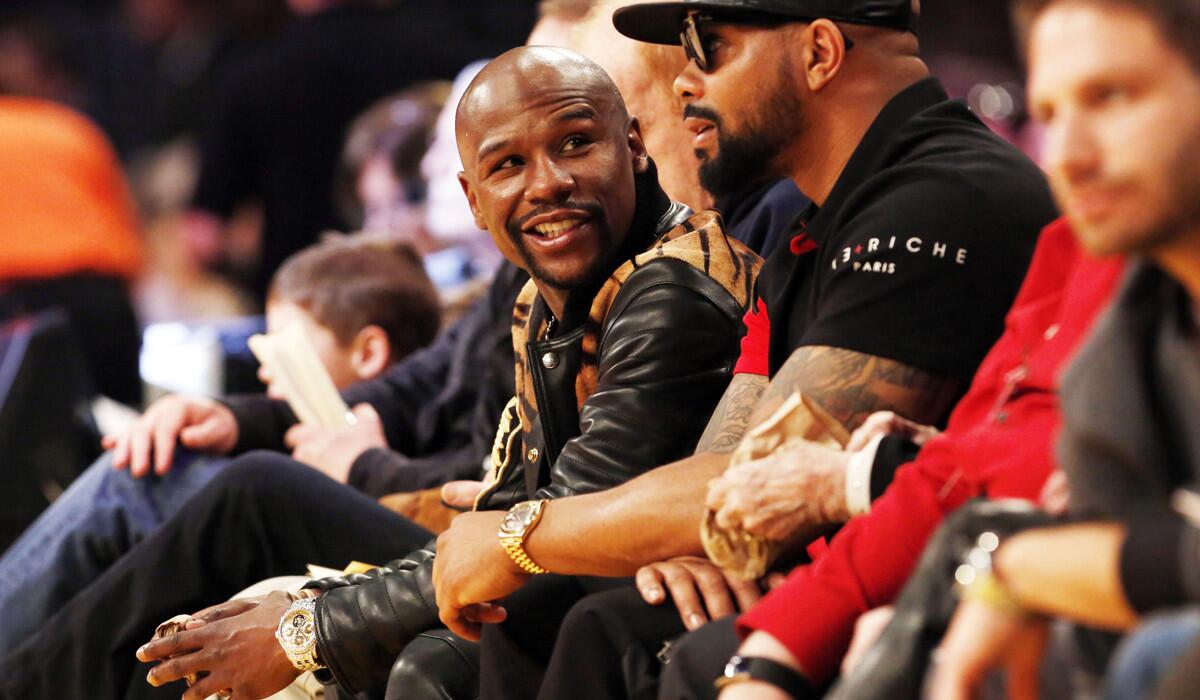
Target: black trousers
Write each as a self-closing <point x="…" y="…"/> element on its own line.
<point x="612" y="645"/>
<point x="264" y="516"/>
<point x="514" y="653"/>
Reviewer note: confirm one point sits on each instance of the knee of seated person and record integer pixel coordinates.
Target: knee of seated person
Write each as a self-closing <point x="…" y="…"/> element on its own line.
<point x="588" y="618"/>
<point x="437" y="665"/>
<point x="254" y="473"/>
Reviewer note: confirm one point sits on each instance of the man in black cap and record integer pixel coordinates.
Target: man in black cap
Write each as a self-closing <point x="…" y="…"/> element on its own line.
<point x="891" y="289"/>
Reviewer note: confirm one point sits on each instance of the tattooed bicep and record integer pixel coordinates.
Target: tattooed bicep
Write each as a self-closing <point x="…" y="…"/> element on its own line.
<point x="852" y="385"/>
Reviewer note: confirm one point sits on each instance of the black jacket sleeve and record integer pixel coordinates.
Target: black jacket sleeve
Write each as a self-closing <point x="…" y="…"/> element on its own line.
<point x="666" y="356"/>
<point x="365" y="620"/>
<point x="380" y="471"/>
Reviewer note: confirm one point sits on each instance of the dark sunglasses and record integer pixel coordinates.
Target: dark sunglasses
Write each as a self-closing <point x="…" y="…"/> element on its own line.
<point x="693" y="47"/>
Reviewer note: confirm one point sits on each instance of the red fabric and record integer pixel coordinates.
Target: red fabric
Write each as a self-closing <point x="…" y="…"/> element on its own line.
<point x="756" y="344"/>
<point x="802" y="244"/>
<point x="998" y="443"/>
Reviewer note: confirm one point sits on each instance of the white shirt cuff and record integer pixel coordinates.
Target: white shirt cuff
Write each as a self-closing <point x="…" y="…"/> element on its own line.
<point x="858" y="478"/>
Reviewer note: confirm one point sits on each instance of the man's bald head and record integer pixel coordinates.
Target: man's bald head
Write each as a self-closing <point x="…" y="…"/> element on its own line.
<point x="529" y="76"/>
<point x="550" y="156"/>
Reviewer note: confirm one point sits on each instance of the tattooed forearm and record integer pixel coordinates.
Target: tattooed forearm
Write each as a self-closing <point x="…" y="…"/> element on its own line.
<point x="851" y="386"/>
<point x="732" y="415"/>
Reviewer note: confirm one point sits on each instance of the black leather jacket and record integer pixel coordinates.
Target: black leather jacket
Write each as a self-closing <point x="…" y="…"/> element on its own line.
<point x="667" y="351"/>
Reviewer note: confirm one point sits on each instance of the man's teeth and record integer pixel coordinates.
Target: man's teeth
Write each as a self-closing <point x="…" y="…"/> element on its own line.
<point x="556" y="229"/>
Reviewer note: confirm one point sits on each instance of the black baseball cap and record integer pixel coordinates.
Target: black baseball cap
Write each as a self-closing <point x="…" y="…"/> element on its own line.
<point x="660" y="22"/>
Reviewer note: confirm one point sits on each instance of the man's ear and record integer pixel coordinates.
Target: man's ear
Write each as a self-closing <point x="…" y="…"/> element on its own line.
<point x="467" y="190"/>
<point x="371" y="352"/>
<point x="637" y="146"/>
<point x="825" y="53"/>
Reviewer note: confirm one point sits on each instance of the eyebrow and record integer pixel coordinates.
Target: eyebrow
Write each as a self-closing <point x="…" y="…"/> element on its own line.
<point x="578" y="112"/>
<point x="491" y="147"/>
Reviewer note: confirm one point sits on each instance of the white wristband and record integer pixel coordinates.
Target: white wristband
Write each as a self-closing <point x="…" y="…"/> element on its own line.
<point x="858" y="478"/>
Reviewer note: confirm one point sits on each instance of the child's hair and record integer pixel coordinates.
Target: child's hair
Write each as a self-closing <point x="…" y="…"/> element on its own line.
<point x="347" y="283"/>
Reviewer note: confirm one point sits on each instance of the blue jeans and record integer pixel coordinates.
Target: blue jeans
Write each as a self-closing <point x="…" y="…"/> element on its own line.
<point x="1146" y="654"/>
<point x="93" y="523"/>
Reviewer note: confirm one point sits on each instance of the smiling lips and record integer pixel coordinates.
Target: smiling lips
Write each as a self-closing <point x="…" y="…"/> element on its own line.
<point x="553" y="230"/>
<point x="551" y="227"/>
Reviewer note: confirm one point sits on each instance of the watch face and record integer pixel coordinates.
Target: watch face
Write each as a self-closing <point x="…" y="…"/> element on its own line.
<point x="519" y="517"/>
<point x="297" y="629"/>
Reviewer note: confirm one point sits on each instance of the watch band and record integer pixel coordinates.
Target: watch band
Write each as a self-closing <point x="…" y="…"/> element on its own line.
<point x="742" y="669"/>
<point x="515" y="546"/>
<point x="521" y="520"/>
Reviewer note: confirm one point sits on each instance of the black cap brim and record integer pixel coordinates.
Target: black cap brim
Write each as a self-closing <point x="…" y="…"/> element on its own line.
<point x="661" y="22"/>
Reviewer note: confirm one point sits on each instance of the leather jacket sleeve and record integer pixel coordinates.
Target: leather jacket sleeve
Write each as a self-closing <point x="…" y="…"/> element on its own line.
<point x="667" y="353"/>
<point x="365" y="620"/>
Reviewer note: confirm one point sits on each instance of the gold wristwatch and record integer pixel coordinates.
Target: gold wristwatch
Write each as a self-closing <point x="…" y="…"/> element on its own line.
<point x="297" y="634"/>
<point x="516" y="526"/>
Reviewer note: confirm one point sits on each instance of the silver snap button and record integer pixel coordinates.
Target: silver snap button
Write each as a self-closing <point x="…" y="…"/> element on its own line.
<point x="550" y="360"/>
<point x="532" y="454"/>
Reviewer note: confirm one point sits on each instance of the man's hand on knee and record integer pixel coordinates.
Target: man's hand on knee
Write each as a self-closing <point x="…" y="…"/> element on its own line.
<point x="197" y="423"/>
<point x="701" y="591"/>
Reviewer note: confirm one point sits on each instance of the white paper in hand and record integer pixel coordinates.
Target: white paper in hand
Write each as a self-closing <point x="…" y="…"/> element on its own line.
<point x="293" y="364"/>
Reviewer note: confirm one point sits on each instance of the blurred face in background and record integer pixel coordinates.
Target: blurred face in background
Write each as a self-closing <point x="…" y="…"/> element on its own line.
<point x="386" y="200"/>
<point x="643" y="73"/>
<point x="1121" y="110"/>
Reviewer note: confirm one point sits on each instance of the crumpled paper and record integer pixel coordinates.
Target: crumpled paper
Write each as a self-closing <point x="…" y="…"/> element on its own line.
<point x="799" y="419"/>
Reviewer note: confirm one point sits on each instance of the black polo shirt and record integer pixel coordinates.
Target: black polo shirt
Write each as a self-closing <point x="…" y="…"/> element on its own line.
<point x="917" y="253"/>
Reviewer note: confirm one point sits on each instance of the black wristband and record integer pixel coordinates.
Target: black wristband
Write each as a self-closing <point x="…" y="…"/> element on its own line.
<point x="893" y="452"/>
<point x="1152" y="560"/>
<point x="745" y="668"/>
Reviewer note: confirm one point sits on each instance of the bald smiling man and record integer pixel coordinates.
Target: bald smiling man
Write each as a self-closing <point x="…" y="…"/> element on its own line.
<point x="625" y="339"/>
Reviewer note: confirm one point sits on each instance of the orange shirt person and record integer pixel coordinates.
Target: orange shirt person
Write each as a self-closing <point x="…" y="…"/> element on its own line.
<point x="69" y="235"/>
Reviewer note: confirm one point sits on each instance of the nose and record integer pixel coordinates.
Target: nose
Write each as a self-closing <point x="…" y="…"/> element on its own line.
<point x="1070" y="151"/>
<point x="548" y="181"/>
<point x="689" y="84"/>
